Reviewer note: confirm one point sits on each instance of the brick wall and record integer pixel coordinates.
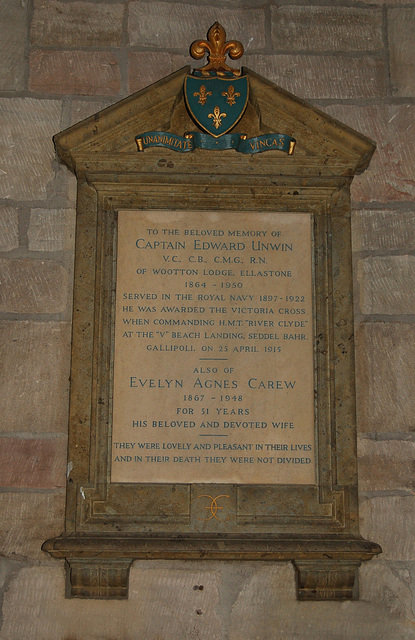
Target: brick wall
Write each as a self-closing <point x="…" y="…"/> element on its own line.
<point x="62" y="60"/>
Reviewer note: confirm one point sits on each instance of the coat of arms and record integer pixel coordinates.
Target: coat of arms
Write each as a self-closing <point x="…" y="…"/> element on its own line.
<point x="216" y="95"/>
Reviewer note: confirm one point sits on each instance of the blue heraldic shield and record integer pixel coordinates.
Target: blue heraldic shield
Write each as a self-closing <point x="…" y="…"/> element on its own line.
<point x="216" y="104"/>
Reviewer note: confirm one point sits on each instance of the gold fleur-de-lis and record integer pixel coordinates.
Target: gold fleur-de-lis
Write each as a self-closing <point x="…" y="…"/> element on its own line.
<point x="203" y="94"/>
<point x="217" y="117"/>
<point x="231" y="95"/>
<point x="217" y="47"/>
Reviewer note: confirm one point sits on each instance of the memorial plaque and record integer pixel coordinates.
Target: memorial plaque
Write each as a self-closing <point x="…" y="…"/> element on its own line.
<point x="213" y="367"/>
<point x="212" y="403"/>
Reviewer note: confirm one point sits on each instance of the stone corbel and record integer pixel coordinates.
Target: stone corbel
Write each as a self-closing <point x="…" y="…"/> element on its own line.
<point x="331" y="580"/>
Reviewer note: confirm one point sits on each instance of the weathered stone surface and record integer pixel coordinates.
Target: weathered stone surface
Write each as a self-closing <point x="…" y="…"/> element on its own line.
<point x="260" y="613"/>
<point x="385" y="384"/>
<point x="180" y="61"/>
<point x="386" y="284"/>
<point x="33" y="286"/>
<point x="8" y="570"/>
<point x="163" y="604"/>
<point x="9" y="228"/>
<point x="329" y="76"/>
<point x="147" y="67"/>
<point x="390" y="520"/>
<point x="391" y="172"/>
<point x="12" y="45"/>
<point x="51" y="230"/>
<point x="326" y="28"/>
<point x="87" y="73"/>
<point x="31" y="518"/>
<point x="34" y="376"/>
<point x="34" y="463"/>
<point x="401" y="40"/>
<point x="386" y="465"/>
<point x="168" y="25"/>
<point x="383" y="230"/>
<point x="387" y="3"/>
<point x="186" y="611"/>
<point x="65" y="189"/>
<point x="76" y="24"/>
<point x="26" y="149"/>
<point x="389" y="585"/>
<point x="81" y="109"/>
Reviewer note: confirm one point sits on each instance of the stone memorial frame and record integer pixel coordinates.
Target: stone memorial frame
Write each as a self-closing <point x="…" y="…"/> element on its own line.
<point x="109" y="525"/>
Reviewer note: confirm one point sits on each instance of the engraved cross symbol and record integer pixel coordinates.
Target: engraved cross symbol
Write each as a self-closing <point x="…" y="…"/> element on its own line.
<point x="217" y="117"/>
<point x="213" y="507"/>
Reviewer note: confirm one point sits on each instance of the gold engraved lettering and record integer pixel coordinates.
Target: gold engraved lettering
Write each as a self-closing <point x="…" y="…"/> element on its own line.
<point x="203" y="94"/>
<point x="217" y="117"/>
<point x="231" y="95"/>
<point x="213" y="507"/>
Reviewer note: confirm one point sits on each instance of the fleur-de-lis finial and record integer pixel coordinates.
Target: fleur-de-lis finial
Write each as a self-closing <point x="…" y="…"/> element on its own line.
<point x="216" y="47"/>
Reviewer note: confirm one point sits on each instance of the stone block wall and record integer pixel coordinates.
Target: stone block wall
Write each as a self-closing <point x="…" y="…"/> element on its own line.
<point x="63" y="60"/>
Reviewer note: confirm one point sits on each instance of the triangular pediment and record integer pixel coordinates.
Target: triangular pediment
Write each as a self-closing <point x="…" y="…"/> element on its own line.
<point x="160" y="107"/>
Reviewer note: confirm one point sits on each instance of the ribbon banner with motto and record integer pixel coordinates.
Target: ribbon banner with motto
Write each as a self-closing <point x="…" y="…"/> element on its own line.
<point x="216" y="97"/>
<point x="198" y="140"/>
